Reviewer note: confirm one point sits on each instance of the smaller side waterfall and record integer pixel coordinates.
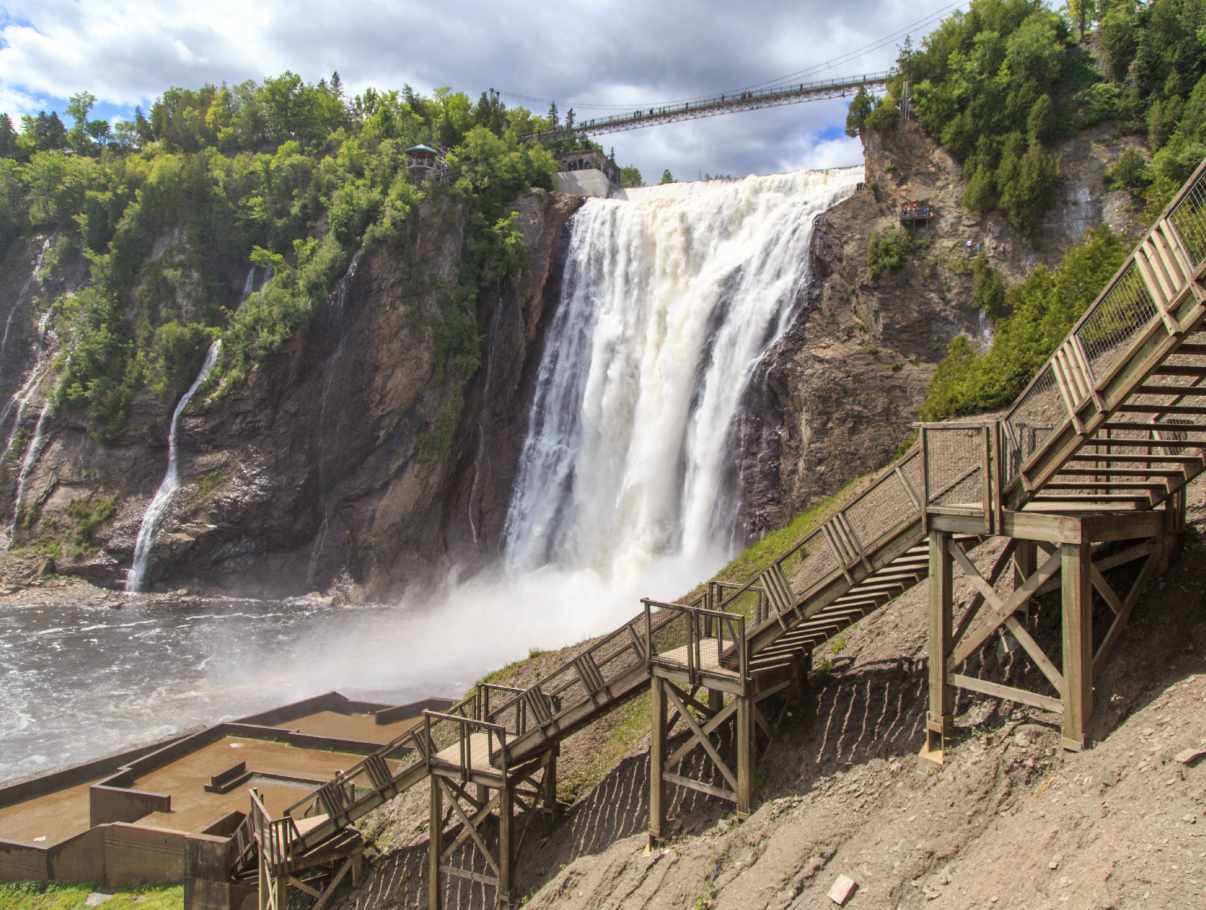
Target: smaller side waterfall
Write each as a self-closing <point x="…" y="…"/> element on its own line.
<point x="153" y="516"/>
<point x="169" y="484"/>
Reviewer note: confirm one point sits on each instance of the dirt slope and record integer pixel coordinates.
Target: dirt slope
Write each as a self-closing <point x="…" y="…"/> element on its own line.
<point x="1011" y="820"/>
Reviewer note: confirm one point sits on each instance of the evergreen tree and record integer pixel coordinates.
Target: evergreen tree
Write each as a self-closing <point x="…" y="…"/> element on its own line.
<point x="8" y="137"/>
<point x="667" y="177"/>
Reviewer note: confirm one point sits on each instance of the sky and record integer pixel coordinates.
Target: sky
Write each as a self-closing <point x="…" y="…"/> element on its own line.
<point x="596" y="56"/>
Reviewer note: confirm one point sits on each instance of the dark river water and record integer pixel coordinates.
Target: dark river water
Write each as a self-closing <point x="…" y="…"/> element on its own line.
<point x="78" y="682"/>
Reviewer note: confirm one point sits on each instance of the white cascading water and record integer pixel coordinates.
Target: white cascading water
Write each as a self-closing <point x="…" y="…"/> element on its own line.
<point x="149" y="527"/>
<point x="669" y="301"/>
<point x="168" y="486"/>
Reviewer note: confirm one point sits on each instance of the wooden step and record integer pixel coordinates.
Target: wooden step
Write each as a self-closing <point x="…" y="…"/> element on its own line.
<point x="1080" y="502"/>
<point x="1159" y="388"/>
<point x="1145" y="426"/>
<point x="1120" y="472"/>
<point x="1191" y="409"/>
<point x="1131" y="459"/>
<point x="1105" y="485"/>
<point x="1178" y="369"/>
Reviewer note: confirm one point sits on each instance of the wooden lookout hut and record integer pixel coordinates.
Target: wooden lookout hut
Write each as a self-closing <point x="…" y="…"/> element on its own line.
<point x="425" y="163"/>
<point x="916" y="211"/>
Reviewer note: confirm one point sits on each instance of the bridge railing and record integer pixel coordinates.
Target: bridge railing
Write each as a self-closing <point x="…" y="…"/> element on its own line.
<point x="718" y="103"/>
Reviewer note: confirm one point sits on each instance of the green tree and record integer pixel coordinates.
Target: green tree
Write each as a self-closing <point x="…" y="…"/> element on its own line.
<point x="8" y="137"/>
<point x="860" y="107"/>
<point x="667" y="177"/>
<point x="78" y="108"/>
<point x="631" y="177"/>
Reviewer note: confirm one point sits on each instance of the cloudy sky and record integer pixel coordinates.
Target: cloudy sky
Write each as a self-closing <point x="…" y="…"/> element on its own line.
<point x="598" y="57"/>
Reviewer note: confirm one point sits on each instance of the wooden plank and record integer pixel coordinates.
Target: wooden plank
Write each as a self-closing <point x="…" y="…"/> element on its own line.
<point x="1131" y="459"/>
<point x="1180" y="369"/>
<point x="506" y="845"/>
<point x="1122" y="472"/>
<point x="1159" y="388"/>
<point x="702" y="737"/>
<point x="657" y="760"/>
<point x="690" y="784"/>
<point x="1036" y="653"/>
<point x="1123" y="615"/>
<point x="745" y="757"/>
<point x="470" y="875"/>
<point x="977" y="601"/>
<point x="941" y="613"/>
<point x="1009" y="606"/>
<point x="1077" y="633"/>
<point x="1009" y="693"/>
<point x="435" y="846"/>
<point x="1189" y="410"/>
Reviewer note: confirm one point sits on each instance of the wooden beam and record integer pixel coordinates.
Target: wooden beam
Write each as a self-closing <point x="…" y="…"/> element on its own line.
<point x="657" y="761"/>
<point x="1077" y="627"/>
<point x="434" y="846"/>
<point x="941" y="701"/>
<point x="1009" y="605"/>
<point x="996" y="690"/>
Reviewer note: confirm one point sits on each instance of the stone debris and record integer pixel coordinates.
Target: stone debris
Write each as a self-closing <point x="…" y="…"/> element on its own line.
<point x="96" y="898"/>
<point x="842" y="890"/>
<point x="1191" y="756"/>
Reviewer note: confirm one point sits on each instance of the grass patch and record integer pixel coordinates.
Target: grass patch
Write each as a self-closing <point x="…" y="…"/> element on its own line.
<point x="56" y="896"/>
<point x="757" y="556"/>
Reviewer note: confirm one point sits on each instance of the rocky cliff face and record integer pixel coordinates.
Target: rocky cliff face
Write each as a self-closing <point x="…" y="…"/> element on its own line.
<point x="353" y="456"/>
<point x="838" y="394"/>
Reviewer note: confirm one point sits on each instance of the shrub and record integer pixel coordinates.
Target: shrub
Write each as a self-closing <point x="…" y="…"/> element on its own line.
<point x="887" y="250"/>
<point x="1129" y="172"/>
<point x="1041" y="310"/>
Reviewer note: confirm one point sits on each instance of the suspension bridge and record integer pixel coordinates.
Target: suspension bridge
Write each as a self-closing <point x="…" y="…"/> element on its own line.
<point x="750" y="100"/>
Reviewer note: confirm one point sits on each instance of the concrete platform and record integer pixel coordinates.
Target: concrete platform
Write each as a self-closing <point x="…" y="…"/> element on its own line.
<point x="193" y="788"/>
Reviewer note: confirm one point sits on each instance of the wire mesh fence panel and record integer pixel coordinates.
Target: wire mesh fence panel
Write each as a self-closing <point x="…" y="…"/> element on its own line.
<point x="882" y="509"/>
<point x="816" y="565"/>
<point x="1123" y="311"/>
<point x="1032" y="419"/>
<point x="1189" y="219"/>
<point x="954" y="465"/>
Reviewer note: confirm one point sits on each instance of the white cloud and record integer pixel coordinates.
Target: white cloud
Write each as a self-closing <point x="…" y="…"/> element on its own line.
<point x="604" y="52"/>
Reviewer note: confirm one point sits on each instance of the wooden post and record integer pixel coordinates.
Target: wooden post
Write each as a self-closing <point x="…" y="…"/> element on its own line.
<point x="262" y="891"/>
<point x="549" y="783"/>
<point x="1025" y="562"/>
<point x="1077" y="643"/>
<point x="715" y="699"/>
<point x="745" y="755"/>
<point x="942" y="695"/>
<point x="505" y="849"/>
<point x="435" y="846"/>
<point x="657" y="761"/>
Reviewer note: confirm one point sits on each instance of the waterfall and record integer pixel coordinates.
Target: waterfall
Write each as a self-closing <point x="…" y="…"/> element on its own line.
<point x="169" y="484"/>
<point x="669" y="300"/>
<point x="24" y="293"/>
<point x="335" y="307"/>
<point x="151" y="519"/>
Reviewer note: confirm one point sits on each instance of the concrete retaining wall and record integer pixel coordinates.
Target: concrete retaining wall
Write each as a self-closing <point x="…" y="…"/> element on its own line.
<point x="589" y="182"/>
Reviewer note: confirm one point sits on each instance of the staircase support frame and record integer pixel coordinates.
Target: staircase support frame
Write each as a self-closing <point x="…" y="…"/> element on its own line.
<point x="1047" y="552"/>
